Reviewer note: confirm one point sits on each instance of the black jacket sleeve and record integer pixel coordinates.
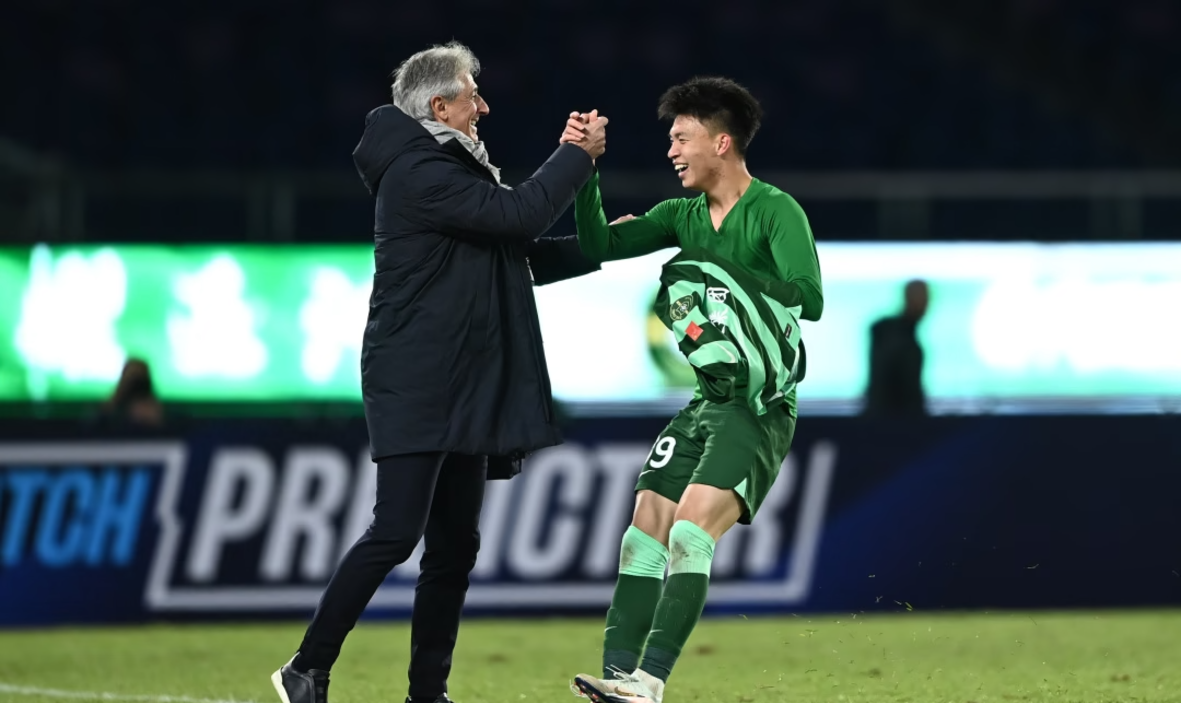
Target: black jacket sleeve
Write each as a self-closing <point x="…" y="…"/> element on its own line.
<point x="454" y="202"/>
<point x="553" y="259"/>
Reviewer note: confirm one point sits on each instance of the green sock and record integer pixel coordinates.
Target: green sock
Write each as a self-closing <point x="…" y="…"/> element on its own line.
<point x="683" y="599"/>
<point x="642" y="559"/>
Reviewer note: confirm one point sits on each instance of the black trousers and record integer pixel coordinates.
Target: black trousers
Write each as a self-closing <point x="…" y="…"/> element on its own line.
<point x="436" y="496"/>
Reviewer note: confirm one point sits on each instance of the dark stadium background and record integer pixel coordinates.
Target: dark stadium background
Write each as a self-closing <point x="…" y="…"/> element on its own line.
<point x="234" y="121"/>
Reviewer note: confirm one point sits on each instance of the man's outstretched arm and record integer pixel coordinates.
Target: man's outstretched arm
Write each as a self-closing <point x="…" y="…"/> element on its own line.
<point x="553" y="259"/>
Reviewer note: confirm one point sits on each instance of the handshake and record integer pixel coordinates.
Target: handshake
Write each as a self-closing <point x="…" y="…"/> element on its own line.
<point x="587" y="131"/>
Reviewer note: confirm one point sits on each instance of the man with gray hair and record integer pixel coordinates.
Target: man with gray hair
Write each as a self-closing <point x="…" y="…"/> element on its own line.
<point x="453" y="371"/>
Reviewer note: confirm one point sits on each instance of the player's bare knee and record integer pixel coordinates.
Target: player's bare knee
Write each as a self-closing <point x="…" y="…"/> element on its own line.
<point x="714" y="510"/>
<point x="653" y="515"/>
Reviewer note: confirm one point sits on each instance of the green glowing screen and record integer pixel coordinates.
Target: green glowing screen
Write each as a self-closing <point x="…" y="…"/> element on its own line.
<point x="285" y="322"/>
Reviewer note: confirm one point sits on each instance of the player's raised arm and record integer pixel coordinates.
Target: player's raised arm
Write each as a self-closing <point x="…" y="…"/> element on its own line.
<point x="794" y="250"/>
<point x="624" y="239"/>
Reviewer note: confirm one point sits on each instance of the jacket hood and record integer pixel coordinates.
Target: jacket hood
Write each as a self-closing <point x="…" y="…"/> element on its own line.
<point x="389" y="133"/>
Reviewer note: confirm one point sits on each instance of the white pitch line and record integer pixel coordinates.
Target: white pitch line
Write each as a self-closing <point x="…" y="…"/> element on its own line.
<point x="105" y="696"/>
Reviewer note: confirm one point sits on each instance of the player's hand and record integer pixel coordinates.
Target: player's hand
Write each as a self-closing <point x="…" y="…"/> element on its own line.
<point x="625" y="218"/>
<point x="595" y="133"/>
<point x="575" y="130"/>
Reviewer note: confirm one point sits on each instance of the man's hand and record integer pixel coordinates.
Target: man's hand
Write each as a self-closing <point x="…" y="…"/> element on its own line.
<point x="625" y="218"/>
<point x="587" y="131"/>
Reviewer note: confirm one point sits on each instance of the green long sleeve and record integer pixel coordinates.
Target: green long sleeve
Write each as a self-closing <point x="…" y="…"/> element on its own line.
<point x="601" y="241"/>
<point x="794" y="252"/>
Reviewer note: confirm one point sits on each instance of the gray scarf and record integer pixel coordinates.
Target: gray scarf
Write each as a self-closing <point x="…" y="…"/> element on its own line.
<point x="444" y="133"/>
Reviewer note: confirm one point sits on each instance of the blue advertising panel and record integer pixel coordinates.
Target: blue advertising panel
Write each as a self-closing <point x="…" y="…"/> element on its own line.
<point x="247" y="518"/>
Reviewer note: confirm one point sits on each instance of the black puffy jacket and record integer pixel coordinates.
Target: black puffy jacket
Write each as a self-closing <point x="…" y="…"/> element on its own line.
<point x="452" y="358"/>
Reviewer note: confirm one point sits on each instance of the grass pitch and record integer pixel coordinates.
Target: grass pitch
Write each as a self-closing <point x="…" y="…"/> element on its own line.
<point x="1085" y="657"/>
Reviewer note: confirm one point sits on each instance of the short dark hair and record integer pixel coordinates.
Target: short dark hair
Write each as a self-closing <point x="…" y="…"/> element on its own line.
<point x="718" y="103"/>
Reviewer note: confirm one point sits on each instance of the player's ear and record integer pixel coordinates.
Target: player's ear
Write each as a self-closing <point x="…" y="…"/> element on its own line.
<point x="723" y="143"/>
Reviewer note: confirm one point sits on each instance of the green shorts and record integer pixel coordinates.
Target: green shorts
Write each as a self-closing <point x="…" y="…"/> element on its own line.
<point x="720" y="444"/>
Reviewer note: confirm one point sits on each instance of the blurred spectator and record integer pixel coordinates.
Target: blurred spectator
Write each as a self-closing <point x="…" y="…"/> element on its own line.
<point x="133" y="402"/>
<point x="896" y="359"/>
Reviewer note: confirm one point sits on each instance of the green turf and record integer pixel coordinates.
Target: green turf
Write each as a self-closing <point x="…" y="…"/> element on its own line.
<point x="909" y="657"/>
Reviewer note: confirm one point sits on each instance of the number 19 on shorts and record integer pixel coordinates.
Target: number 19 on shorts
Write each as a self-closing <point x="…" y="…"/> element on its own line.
<point x="662" y="452"/>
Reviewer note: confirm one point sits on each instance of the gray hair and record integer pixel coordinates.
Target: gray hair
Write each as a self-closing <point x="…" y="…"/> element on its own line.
<point x="438" y="70"/>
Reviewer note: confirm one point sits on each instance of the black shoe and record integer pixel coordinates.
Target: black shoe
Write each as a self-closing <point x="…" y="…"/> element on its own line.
<point x="441" y="699"/>
<point x="296" y="687"/>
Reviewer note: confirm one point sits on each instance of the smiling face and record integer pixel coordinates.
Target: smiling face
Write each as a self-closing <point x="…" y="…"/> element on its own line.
<point x="713" y="122"/>
<point x="464" y="111"/>
<point x="696" y="154"/>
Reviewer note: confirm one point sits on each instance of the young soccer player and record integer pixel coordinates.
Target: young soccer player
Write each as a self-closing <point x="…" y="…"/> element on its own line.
<point x="715" y="461"/>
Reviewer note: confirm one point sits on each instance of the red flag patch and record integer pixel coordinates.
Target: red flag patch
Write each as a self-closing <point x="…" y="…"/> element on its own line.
<point x="693" y="331"/>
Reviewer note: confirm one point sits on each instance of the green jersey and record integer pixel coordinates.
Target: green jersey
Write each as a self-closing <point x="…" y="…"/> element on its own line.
<point x="734" y="338"/>
<point x="765" y="235"/>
